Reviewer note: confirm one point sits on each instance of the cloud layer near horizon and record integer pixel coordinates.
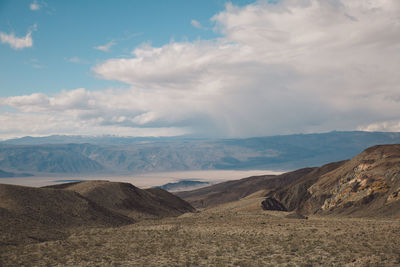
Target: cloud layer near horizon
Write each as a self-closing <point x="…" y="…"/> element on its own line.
<point x="289" y="67"/>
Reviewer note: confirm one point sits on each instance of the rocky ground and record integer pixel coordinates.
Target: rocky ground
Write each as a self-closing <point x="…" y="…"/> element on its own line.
<point x="235" y="234"/>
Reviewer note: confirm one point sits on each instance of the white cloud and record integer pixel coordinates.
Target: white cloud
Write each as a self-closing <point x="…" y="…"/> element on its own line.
<point x="384" y="126"/>
<point x="17" y="42"/>
<point x="196" y="24"/>
<point x="77" y="60"/>
<point x="106" y="47"/>
<point x="293" y="66"/>
<point x="38" y="66"/>
<point x="19" y="125"/>
<point x="34" y="62"/>
<point x="34" y="6"/>
<point x="74" y="59"/>
<point x="121" y="108"/>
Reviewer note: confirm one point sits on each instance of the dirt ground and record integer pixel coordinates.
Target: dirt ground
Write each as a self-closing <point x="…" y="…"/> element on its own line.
<point x="224" y="236"/>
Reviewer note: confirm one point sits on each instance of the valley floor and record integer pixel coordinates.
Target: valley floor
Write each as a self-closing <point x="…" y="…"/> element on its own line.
<point x="224" y="236"/>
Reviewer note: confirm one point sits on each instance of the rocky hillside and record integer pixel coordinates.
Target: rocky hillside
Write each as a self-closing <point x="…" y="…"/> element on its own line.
<point x="367" y="185"/>
<point x="234" y="190"/>
<point x="294" y="195"/>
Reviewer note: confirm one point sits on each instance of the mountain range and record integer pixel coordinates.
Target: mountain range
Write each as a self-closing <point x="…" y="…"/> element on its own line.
<point x="124" y="155"/>
<point x="4" y="174"/>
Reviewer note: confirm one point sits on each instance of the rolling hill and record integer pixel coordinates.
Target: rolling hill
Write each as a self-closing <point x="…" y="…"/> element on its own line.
<point x="30" y="214"/>
<point x="235" y="190"/>
<point x="36" y="214"/>
<point x="126" y="199"/>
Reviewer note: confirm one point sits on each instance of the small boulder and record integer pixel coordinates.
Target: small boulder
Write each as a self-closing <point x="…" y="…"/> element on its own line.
<point x="296" y="216"/>
<point x="272" y="204"/>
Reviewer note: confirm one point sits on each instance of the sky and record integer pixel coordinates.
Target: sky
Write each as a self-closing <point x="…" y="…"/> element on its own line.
<point x="198" y="68"/>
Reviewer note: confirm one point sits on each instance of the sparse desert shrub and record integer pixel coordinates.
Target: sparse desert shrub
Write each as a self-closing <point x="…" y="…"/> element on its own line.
<point x="238" y="239"/>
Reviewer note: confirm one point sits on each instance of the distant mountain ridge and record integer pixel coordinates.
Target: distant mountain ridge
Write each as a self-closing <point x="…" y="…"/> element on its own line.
<point x="125" y="155"/>
<point x="4" y="174"/>
<point x="69" y="158"/>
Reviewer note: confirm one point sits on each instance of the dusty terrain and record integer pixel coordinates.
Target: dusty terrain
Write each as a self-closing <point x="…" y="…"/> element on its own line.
<point x="233" y="234"/>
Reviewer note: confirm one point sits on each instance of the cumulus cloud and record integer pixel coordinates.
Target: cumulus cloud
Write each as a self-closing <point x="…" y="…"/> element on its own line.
<point x="196" y="24"/>
<point x="124" y="111"/>
<point x="283" y="67"/>
<point x="18" y="42"/>
<point x="19" y="125"/>
<point x="289" y="66"/>
<point x="106" y="47"/>
<point x="34" y="6"/>
<point x="383" y="126"/>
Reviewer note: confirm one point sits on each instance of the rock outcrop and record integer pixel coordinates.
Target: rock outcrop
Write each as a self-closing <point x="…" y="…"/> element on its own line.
<point x="234" y="190"/>
<point x="272" y="204"/>
<point x="367" y="185"/>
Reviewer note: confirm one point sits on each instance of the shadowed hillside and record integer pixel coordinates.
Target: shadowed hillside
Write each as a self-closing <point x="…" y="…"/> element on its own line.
<point x="38" y="214"/>
<point x="295" y="194"/>
<point x="235" y="190"/>
<point x="129" y="200"/>
<point x="367" y="185"/>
